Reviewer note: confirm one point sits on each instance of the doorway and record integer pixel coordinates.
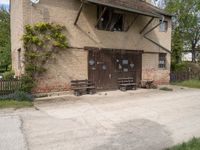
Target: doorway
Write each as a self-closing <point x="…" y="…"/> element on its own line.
<point x="106" y="66"/>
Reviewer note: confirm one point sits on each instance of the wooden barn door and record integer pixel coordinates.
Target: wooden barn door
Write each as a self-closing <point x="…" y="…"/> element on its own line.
<point x="106" y="66"/>
<point x="100" y="69"/>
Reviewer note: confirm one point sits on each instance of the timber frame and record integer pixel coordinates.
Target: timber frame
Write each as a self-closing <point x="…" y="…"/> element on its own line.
<point x="155" y="14"/>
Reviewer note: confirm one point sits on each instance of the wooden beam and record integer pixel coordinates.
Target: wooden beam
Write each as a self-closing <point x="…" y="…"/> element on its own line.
<point x="79" y="12"/>
<point x="101" y="15"/>
<point x="135" y="18"/>
<point x="147" y="25"/>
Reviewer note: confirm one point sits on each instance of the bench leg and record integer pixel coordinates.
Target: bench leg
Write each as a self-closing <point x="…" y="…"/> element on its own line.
<point x="77" y="93"/>
<point x="91" y="92"/>
<point x="123" y="89"/>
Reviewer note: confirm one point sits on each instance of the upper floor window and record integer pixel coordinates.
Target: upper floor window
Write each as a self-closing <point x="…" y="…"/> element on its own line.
<point x="162" y="60"/>
<point x="109" y="19"/>
<point x="163" y="26"/>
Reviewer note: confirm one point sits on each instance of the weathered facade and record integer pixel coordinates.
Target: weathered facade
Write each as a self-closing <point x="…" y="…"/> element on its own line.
<point x="130" y="49"/>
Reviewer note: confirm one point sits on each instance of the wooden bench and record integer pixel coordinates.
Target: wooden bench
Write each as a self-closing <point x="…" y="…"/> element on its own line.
<point x="125" y="84"/>
<point x="82" y="86"/>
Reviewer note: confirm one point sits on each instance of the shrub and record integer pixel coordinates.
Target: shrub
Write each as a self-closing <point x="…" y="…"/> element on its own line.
<point x="185" y="66"/>
<point x="18" y="96"/>
<point x="27" y="83"/>
<point x="8" y="75"/>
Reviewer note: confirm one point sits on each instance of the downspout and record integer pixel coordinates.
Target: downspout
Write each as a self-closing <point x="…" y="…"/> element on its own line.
<point x="145" y="35"/>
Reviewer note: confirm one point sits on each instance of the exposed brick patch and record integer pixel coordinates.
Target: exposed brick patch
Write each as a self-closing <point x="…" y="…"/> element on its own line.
<point x="159" y="76"/>
<point x="51" y="88"/>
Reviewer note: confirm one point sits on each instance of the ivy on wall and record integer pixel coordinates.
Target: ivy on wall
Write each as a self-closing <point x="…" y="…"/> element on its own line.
<point x="41" y="41"/>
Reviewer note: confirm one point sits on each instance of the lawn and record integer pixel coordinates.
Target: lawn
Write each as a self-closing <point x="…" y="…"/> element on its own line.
<point x="193" y="144"/>
<point x="189" y="83"/>
<point x="15" y="104"/>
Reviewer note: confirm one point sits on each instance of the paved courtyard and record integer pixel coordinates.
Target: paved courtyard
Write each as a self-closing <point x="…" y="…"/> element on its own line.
<point x="133" y="120"/>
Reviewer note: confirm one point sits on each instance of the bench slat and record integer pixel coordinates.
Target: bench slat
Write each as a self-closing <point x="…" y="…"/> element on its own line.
<point x="83" y="88"/>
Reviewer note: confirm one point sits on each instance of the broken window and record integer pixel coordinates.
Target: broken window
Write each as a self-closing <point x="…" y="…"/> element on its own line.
<point x="109" y="19"/>
<point x="162" y="60"/>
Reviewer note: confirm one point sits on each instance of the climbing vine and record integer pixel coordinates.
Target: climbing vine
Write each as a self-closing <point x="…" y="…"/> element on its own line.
<point x="41" y="40"/>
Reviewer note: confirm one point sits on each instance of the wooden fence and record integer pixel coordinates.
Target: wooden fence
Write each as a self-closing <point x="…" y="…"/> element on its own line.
<point x="9" y="86"/>
<point x="184" y="75"/>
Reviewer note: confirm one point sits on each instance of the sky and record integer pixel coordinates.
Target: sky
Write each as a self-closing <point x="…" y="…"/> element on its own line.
<point x="4" y="2"/>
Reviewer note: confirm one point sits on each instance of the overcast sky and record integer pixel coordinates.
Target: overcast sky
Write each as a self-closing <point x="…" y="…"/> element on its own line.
<point x="4" y="1"/>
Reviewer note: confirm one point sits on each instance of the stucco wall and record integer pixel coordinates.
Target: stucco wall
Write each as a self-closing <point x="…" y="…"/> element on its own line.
<point x="16" y="33"/>
<point x="84" y="34"/>
<point x="151" y="70"/>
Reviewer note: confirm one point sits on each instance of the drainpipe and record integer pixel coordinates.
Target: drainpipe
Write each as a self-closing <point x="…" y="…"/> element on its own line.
<point x="145" y="35"/>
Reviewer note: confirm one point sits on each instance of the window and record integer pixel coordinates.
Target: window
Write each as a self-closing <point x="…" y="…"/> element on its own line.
<point x="162" y="60"/>
<point x="109" y="19"/>
<point x="163" y="26"/>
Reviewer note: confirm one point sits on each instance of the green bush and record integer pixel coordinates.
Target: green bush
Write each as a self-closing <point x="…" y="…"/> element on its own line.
<point x="185" y="66"/>
<point x="27" y="83"/>
<point x="8" y="75"/>
<point x="179" y="67"/>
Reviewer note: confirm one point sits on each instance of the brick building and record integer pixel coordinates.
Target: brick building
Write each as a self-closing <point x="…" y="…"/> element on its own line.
<point x="107" y="39"/>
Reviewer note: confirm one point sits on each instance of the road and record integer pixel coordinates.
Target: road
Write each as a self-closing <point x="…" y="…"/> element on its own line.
<point x="133" y="120"/>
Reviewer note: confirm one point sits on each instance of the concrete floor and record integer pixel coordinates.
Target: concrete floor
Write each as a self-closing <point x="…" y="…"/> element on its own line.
<point x="133" y="120"/>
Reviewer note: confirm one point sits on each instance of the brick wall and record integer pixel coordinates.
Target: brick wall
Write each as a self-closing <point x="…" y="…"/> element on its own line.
<point x="69" y="64"/>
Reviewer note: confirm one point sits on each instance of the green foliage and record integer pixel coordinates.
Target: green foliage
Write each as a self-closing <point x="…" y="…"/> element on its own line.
<point x="185" y="66"/>
<point x="27" y="83"/>
<point x="177" y="47"/>
<point x="187" y="20"/>
<point x="41" y="40"/>
<point x="189" y="83"/>
<point x="5" y="48"/>
<point x="15" y="104"/>
<point x="193" y="144"/>
<point x="17" y="96"/>
<point x="8" y="75"/>
<point x="179" y="66"/>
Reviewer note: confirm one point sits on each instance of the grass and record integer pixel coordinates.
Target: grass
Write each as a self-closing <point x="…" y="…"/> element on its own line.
<point x="15" y="104"/>
<point x="166" y="89"/>
<point x="189" y="83"/>
<point x="193" y="144"/>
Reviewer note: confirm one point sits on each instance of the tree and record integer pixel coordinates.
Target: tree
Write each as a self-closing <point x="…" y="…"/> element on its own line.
<point x="159" y="3"/>
<point x="177" y="46"/>
<point x="187" y="20"/>
<point x="5" y="48"/>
